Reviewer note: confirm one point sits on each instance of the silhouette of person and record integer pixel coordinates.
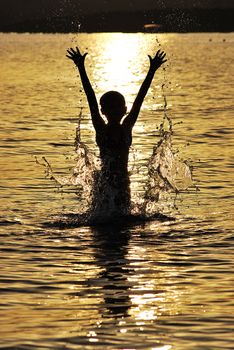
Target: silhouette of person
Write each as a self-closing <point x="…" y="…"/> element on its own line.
<point x="111" y="194"/>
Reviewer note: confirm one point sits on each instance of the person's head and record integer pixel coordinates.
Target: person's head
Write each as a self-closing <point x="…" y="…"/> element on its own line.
<point x="113" y="106"/>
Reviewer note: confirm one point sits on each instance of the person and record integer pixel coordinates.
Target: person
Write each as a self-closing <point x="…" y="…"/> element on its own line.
<point x="111" y="193"/>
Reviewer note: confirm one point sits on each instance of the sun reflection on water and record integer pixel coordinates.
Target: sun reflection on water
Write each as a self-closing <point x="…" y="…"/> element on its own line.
<point x="120" y="64"/>
<point x="121" y="60"/>
<point x="155" y="296"/>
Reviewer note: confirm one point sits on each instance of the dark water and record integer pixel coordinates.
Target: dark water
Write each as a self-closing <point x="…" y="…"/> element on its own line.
<point x="153" y="285"/>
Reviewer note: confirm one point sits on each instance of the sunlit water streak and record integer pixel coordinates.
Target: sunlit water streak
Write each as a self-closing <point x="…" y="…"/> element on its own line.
<point x="150" y="286"/>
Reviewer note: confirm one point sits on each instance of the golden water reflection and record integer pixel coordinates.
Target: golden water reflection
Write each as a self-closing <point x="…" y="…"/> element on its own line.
<point x="53" y="287"/>
<point x="121" y="63"/>
<point x="121" y="57"/>
<point x="154" y="295"/>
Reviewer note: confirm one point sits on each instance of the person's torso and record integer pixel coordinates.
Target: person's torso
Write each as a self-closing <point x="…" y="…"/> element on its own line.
<point x="114" y="143"/>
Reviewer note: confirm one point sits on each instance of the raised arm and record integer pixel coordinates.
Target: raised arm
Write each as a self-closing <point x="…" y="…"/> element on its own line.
<point x="155" y="63"/>
<point x="79" y="59"/>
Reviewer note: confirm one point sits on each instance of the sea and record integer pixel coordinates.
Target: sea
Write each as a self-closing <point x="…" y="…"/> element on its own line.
<point x="151" y="284"/>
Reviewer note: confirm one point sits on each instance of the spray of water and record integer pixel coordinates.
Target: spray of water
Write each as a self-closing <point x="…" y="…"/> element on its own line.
<point x="167" y="176"/>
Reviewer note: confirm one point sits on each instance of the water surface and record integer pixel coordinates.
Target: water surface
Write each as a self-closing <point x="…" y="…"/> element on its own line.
<point x="148" y="286"/>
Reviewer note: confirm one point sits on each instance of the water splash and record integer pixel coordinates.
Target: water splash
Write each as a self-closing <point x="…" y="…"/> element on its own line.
<point x="168" y="175"/>
<point x="82" y="177"/>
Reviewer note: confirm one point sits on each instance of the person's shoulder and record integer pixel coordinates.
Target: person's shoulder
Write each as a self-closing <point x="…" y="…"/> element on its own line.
<point x="100" y="126"/>
<point x="126" y="124"/>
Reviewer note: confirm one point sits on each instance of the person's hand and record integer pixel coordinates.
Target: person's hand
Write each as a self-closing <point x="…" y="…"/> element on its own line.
<point x="76" y="56"/>
<point x="158" y="60"/>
